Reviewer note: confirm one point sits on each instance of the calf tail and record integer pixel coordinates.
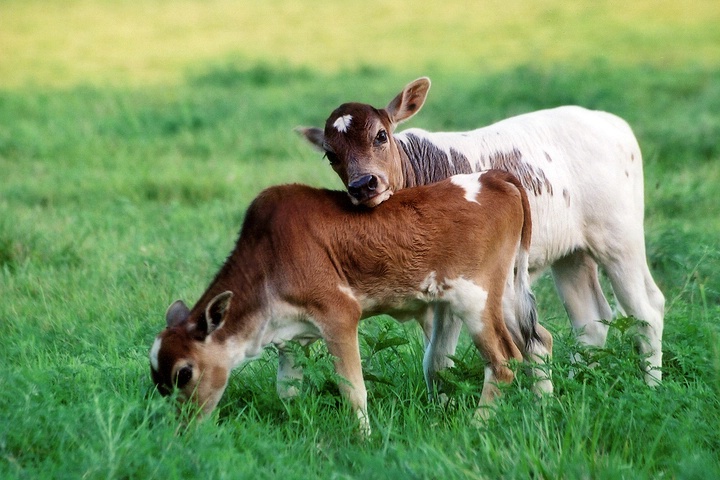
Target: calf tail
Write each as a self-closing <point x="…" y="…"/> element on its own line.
<point x="525" y="307"/>
<point x="537" y="341"/>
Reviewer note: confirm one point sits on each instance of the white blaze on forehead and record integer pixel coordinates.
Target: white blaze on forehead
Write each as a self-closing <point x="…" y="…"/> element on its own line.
<point x="471" y="183"/>
<point x="154" y="351"/>
<point x="342" y="123"/>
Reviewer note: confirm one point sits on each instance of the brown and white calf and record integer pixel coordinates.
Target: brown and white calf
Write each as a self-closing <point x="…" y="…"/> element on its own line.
<point x="584" y="176"/>
<point x="309" y="264"/>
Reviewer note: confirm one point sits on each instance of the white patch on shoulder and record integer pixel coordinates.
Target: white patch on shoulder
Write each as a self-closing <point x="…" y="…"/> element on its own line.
<point x="342" y="123"/>
<point x="470" y="182"/>
<point x="154" y="351"/>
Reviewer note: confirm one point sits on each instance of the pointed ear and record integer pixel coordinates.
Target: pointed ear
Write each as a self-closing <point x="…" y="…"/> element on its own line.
<point x="176" y="314"/>
<point x="215" y="313"/>
<point x="409" y="101"/>
<point x="314" y="135"/>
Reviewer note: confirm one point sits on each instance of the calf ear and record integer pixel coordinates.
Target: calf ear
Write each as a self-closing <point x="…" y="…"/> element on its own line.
<point x="176" y="314"/>
<point x="314" y="135"/>
<point x="215" y="313"/>
<point x="409" y="101"/>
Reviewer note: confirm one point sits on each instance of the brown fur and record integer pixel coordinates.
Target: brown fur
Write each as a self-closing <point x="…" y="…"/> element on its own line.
<point x="312" y="251"/>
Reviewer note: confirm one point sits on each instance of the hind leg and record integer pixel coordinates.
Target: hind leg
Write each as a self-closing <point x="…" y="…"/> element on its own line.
<point x="538" y="353"/>
<point x="641" y="298"/>
<point x="577" y="282"/>
<point x="442" y="344"/>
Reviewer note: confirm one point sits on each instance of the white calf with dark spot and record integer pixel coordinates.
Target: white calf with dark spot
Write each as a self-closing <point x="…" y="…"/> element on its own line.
<point x="584" y="176"/>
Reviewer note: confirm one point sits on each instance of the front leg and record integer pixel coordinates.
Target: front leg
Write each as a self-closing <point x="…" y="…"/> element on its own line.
<point x="343" y="345"/>
<point x="442" y="345"/>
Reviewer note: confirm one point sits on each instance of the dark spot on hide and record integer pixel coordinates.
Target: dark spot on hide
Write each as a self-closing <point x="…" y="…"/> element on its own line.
<point x="566" y="196"/>
<point x="429" y="163"/>
<point x="549" y="158"/>
<point x="533" y="179"/>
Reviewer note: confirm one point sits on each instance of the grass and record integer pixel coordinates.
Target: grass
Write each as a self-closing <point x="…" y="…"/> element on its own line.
<point x="122" y="190"/>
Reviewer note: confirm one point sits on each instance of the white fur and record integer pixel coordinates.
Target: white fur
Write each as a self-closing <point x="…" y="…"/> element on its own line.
<point x="288" y="323"/>
<point x="470" y="183"/>
<point x="593" y="216"/>
<point x="467" y="299"/>
<point x="154" y="351"/>
<point x="464" y="297"/>
<point x="342" y="123"/>
<point x="430" y="287"/>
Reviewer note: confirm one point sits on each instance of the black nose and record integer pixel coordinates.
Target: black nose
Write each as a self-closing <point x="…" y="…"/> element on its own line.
<point x="363" y="187"/>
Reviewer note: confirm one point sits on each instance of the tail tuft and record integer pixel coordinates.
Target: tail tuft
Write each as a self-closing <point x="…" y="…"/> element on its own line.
<point x="526" y="308"/>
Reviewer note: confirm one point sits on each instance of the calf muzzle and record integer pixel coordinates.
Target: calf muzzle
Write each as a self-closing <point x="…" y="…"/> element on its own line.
<point x="363" y="188"/>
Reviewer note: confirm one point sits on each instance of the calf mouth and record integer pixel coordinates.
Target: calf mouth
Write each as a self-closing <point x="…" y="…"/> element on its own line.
<point x="371" y="199"/>
<point x="369" y="190"/>
<point x="377" y="198"/>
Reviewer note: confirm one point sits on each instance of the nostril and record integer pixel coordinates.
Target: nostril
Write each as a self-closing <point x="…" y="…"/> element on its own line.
<point x="356" y="187"/>
<point x="372" y="183"/>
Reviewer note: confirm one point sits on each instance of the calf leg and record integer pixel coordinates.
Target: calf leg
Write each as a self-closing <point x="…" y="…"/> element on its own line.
<point x="577" y="282"/>
<point x="442" y="344"/>
<point x="426" y="323"/>
<point x="535" y="352"/>
<point x="348" y="366"/>
<point x="492" y="339"/>
<point x="496" y="348"/>
<point x="538" y="353"/>
<point x="340" y="331"/>
<point x="640" y="297"/>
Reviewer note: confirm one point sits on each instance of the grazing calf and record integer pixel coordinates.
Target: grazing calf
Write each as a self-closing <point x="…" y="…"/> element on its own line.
<point x="308" y="264"/>
<point x="583" y="173"/>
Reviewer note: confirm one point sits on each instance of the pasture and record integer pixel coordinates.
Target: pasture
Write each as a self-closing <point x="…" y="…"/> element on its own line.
<point x="133" y="137"/>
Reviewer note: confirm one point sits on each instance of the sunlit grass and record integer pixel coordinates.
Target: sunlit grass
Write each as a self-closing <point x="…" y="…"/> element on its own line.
<point x="158" y="41"/>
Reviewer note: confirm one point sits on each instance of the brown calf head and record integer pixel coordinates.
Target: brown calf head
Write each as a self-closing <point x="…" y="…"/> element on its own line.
<point x="358" y="141"/>
<point x="189" y="355"/>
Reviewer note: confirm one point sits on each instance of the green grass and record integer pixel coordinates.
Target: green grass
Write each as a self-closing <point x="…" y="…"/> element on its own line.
<point x="116" y="198"/>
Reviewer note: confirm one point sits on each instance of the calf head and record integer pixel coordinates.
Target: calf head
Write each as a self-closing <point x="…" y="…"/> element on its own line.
<point x="190" y="354"/>
<point x="358" y="142"/>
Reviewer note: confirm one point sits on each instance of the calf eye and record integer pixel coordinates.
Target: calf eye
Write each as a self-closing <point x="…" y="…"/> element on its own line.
<point x="334" y="160"/>
<point x="183" y="376"/>
<point x="381" y="137"/>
